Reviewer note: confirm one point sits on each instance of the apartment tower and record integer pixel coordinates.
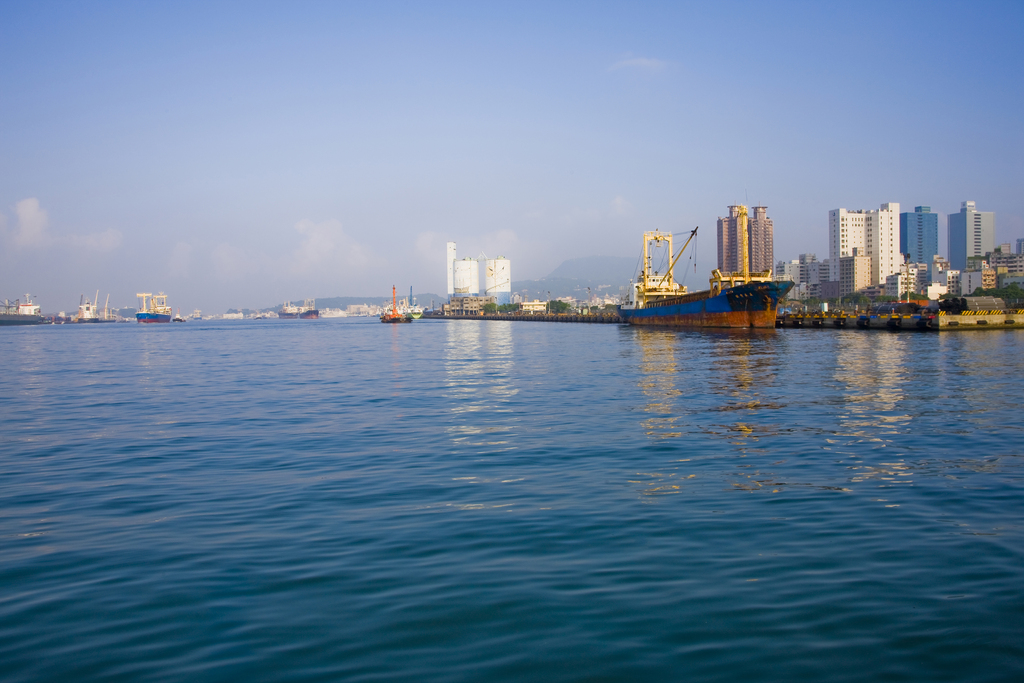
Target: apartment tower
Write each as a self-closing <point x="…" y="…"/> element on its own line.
<point x="760" y="241"/>
<point x="874" y="233"/>
<point x="971" y="233"/>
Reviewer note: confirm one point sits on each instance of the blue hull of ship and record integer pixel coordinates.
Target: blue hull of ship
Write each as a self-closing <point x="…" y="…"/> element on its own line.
<point x="153" y="317"/>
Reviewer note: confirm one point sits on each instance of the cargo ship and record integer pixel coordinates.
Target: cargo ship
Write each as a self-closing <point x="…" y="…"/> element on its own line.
<point x="89" y="311"/>
<point x="154" y="308"/>
<point x="743" y="299"/>
<point x="307" y="311"/>
<point x="18" y="313"/>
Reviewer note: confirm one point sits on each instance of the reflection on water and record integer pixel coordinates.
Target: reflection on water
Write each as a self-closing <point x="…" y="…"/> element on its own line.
<point x="303" y="523"/>
<point x="478" y="371"/>
<point x="657" y="382"/>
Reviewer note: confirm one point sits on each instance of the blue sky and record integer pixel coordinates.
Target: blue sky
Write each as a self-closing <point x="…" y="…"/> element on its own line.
<point x="240" y="154"/>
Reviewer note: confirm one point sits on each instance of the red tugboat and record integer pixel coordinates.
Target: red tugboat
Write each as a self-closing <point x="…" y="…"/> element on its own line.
<point x="391" y="315"/>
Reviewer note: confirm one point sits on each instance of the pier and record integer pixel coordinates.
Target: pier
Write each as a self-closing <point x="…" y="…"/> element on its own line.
<point x="600" y="318"/>
<point x="920" y="322"/>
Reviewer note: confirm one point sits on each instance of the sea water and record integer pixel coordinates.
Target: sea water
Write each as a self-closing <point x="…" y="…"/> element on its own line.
<point x="509" y="501"/>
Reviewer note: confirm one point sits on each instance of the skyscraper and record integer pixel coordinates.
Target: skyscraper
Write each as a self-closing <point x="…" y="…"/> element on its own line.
<point x="874" y="233"/>
<point x="971" y="233"/>
<point x="919" y="234"/>
<point x="760" y="240"/>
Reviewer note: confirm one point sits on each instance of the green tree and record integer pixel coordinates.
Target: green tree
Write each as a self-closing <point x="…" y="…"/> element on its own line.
<point x="558" y="307"/>
<point x="490" y="308"/>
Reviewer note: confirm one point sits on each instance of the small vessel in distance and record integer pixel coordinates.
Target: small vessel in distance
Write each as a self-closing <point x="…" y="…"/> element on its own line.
<point x="154" y="308"/>
<point x="391" y="314"/>
<point x="18" y="313"/>
<point x="89" y="311"/>
<point x="307" y="311"/>
<point x="741" y="299"/>
<point x="178" y="318"/>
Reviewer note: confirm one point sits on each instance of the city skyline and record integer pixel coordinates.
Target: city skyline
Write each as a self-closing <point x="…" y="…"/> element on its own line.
<point x="233" y="159"/>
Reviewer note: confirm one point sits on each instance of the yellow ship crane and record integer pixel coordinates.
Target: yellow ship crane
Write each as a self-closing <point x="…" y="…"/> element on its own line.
<point x="720" y="280"/>
<point x="653" y="285"/>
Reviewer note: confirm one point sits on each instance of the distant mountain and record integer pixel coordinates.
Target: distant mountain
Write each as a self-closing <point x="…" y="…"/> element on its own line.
<point x="610" y="269"/>
<point x="605" y="275"/>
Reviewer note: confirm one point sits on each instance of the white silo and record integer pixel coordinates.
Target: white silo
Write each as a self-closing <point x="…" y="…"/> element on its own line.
<point x="498" y="280"/>
<point x="466" y="277"/>
<point x="451" y="270"/>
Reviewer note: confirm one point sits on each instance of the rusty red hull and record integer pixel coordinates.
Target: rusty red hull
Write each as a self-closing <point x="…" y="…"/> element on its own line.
<point x="731" y="319"/>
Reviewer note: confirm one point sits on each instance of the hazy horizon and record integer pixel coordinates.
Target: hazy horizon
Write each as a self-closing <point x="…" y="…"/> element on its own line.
<point x="232" y="155"/>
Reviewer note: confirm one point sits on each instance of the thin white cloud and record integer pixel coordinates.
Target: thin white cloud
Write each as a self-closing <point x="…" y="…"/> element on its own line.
<point x="33" y="222"/>
<point x="108" y="240"/>
<point x="232" y="263"/>
<point x="180" y="259"/>
<point x="325" y="246"/>
<point x="621" y="206"/>
<point x="33" y="231"/>
<point x="647" y="64"/>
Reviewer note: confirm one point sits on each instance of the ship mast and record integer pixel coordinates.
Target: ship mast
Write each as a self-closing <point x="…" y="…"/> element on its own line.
<point x="741" y="226"/>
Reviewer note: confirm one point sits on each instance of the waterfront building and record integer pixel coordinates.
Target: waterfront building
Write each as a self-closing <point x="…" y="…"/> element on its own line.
<point x="1014" y="263"/>
<point x="787" y="270"/>
<point x="973" y="279"/>
<point x="951" y="280"/>
<point x="498" y="280"/>
<point x="937" y="265"/>
<point x="450" y="260"/>
<point x="760" y="240"/>
<point x="854" y="272"/>
<point x="898" y="284"/>
<point x="919" y="234"/>
<point x="467" y="305"/>
<point x="828" y="289"/>
<point x="761" y="231"/>
<point x="818" y="272"/>
<point x="875" y="233"/>
<point x="971" y="233"/>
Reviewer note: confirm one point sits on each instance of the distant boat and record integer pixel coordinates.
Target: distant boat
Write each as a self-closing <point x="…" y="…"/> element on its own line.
<point x="178" y="318"/>
<point x="89" y="312"/>
<point x="18" y="313"/>
<point x="154" y="308"/>
<point x="391" y="314"/>
<point x="307" y="311"/>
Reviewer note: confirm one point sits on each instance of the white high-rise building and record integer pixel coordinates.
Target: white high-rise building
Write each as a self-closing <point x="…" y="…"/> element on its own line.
<point x="451" y="270"/>
<point x="875" y="233"/>
<point x="971" y="233"/>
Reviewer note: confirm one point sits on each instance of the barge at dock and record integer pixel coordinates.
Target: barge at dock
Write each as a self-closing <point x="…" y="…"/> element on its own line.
<point x="743" y="299"/>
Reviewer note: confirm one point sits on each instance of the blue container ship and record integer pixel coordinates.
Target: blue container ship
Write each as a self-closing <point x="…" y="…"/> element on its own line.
<point x="154" y="308"/>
